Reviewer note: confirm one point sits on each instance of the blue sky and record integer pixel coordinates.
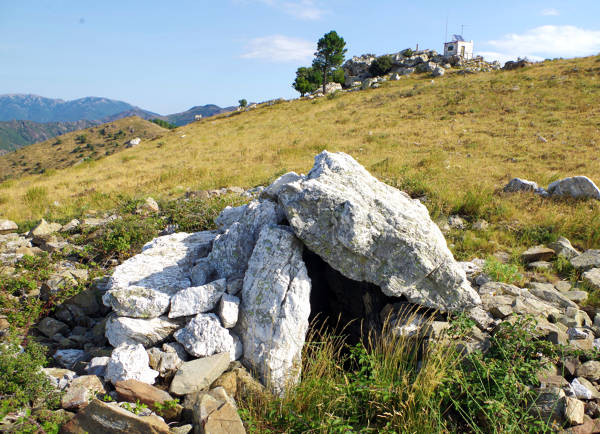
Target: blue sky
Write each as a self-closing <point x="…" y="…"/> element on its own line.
<point x="169" y="56"/>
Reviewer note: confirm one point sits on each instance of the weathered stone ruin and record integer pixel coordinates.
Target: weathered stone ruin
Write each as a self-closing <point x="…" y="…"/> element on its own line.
<point x="246" y="289"/>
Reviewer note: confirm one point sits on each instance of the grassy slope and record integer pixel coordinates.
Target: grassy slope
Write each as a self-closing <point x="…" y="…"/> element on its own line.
<point x="457" y="140"/>
<point x="66" y="150"/>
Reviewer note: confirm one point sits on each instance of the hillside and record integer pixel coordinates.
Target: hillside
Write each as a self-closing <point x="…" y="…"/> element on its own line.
<point x="77" y="146"/>
<point x="15" y="134"/>
<point x="189" y="116"/>
<point x="455" y="141"/>
<point x="39" y="109"/>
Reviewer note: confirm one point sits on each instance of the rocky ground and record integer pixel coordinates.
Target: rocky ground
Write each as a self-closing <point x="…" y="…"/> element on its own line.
<point x="176" y="337"/>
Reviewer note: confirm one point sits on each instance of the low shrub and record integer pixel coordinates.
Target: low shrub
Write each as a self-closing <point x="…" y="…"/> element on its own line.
<point x="381" y="65"/>
<point x="499" y="272"/>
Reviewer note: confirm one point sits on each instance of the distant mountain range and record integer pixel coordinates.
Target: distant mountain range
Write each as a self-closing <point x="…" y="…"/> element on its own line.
<point x="27" y="119"/>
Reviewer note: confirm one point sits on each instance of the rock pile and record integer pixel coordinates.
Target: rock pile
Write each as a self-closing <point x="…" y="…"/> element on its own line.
<point x="406" y="62"/>
<point x="244" y="290"/>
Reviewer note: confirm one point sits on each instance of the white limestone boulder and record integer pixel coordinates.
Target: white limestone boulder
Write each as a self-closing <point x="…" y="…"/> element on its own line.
<point x="148" y="332"/>
<point x="197" y="299"/>
<point x="137" y="302"/>
<point x="204" y="336"/>
<point x="130" y="362"/>
<point x="229" y="310"/>
<point x="275" y="308"/>
<point x="164" y="264"/>
<point x="232" y="249"/>
<point x="370" y="231"/>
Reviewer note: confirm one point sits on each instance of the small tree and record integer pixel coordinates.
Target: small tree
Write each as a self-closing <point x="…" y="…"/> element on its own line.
<point x="330" y="54"/>
<point x="307" y="80"/>
<point x="243" y="103"/>
<point x="381" y="66"/>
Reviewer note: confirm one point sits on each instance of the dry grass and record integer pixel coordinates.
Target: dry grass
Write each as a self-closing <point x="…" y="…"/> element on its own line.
<point x="456" y="140"/>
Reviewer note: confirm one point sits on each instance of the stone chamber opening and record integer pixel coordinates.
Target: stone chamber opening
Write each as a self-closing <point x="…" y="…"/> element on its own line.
<point x="342" y="305"/>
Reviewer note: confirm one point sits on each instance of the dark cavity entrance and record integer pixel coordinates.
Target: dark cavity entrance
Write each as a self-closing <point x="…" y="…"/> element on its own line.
<point x="343" y="305"/>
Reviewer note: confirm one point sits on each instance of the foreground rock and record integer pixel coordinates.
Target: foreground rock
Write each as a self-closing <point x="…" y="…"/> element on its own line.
<point x="99" y="417"/>
<point x="369" y="231"/>
<point x="275" y="308"/>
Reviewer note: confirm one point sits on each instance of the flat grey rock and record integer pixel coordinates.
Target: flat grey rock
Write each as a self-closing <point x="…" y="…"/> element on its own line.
<point x="197" y="299"/>
<point x="578" y="187"/>
<point x="148" y="332"/>
<point x="199" y="374"/>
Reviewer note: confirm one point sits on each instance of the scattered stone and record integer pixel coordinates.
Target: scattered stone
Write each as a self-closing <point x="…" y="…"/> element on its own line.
<point x="148" y="332"/>
<point x="590" y="370"/>
<point x="216" y="416"/>
<point x="339" y="200"/>
<point x="50" y="326"/>
<point x="563" y="286"/>
<point x="546" y="292"/>
<point x="592" y="278"/>
<point x="197" y="299"/>
<point x="549" y="405"/>
<point x="517" y="184"/>
<point x="130" y="362"/>
<point x="71" y="226"/>
<point x="60" y="378"/>
<point x="148" y="207"/>
<point x="81" y="391"/>
<point x="539" y="265"/>
<point x="7" y="226"/>
<point x="136" y="391"/>
<point x="481" y="225"/>
<point x="587" y="260"/>
<point x="68" y="358"/>
<point x="563" y="247"/>
<point x="574" y="411"/>
<point x="100" y="417"/>
<point x="229" y="310"/>
<point x="199" y="374"/>
<point x="577" y="296"/>
<point x="456" y="222"/>
<point x="204" y="336"/>
<point x="584" y="389"/>
<point x="579" y="187"/>
<point x="97" y="366"/>
<point x="538" y="253"/>
<point x="44" y="228"/>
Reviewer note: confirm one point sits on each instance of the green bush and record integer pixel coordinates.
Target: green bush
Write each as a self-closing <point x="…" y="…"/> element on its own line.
<point x="499" y="272"/>
<point x="408" y="52"/>
<point x="492" y="392"/>
<point x="124" y="237"/>
<point x="22" y="384"/>
<point x="381" y="66"/>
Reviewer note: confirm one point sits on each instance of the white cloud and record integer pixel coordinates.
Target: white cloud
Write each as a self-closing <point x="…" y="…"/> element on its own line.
<point x="545" y="42"/>
<point x="279" y="48"/>
<point x="550" y="12"/>
<point x="301" y="9"/>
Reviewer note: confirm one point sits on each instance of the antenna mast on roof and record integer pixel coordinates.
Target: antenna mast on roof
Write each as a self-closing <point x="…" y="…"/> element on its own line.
<point x="462" y="29"/>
